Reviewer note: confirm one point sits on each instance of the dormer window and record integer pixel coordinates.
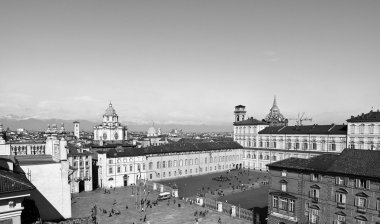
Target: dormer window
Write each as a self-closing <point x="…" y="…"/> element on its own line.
<point x="362" y="183"/>
<point x="283" y="185"/>
<point x="314" y="177"/>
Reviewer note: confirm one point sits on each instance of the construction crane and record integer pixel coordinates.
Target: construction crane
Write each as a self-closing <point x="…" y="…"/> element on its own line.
<point x="300" y="119"/>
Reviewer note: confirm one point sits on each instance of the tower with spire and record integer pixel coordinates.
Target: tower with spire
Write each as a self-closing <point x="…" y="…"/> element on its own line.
<point x="275" y="118"/>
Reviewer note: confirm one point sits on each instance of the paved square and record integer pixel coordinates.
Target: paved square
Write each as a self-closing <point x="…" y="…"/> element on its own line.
<point x="161" y="214"/>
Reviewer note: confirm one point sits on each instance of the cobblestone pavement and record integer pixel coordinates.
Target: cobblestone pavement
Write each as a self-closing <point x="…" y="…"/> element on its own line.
<point x="162" y="213"/>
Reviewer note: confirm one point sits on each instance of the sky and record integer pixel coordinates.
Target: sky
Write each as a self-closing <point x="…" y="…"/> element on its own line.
<point x="189" y="62"/>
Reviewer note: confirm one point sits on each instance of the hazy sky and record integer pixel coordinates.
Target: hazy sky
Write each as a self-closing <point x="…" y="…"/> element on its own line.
<point x="189" y="61"/>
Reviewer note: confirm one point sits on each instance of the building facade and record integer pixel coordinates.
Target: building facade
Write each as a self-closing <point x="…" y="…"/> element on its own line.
<point x="271" y="139"/>
<point x="47" y="168"/>
<point x="110" y="129"/>
<point x="330" y="188"/>
<point x="125" y="166"/>
<point x="15" y="189"/>
<point x="364" y="131"/>
<point x="80" y="177"/>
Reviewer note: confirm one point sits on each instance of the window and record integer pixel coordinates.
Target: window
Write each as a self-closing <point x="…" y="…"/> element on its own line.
<point x="361" y="129"/>
<point x="110" y="161"/>
<point x="283" y="173"/>
<point x="314" y="216"/>
<point x="361" y="202"/>
<point x="110" y="170"/>
<point x="163" y="164"/>
<point x="341" y="219"/>
<point x="314" y="177"/>
<point x="362" y="183"/>
<point x="314" y="146"/>
<point x="274" y="145"/>
<point x="314" y="194"/>
<point x="291" y="205"/>
<point x="340" y="198"/>
<point x="297" y="145"/>
<point x="118" y="169"/>
<point x="144" y="166"/>
<point x="283" y="204"/>
<point x="372" y="129"/>
<point x="283" y="186"/>
<point x="150" y="176"/>
<point x="206" y="160"/>
<point x="275" y="201"/>
<point x="305" y="146"/>
<point x="170" y="173"/>
<point x="158" y="165"/>
<point x="130" y="168"/>
<point x="333" y="147"/>
<point x="267" y="144"/>
<point x="340" y="181"/>
<point x="150" y="165"/>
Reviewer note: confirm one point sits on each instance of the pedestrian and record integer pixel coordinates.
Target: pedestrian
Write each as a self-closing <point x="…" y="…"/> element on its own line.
<point x="219" y="220"/>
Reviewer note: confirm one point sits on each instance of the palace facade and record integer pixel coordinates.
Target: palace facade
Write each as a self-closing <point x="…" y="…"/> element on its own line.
<point x="271" y="139"/>
<point x="330" y="188"/>
<point x="122" y="166"/>
<point x="110" y="129"/>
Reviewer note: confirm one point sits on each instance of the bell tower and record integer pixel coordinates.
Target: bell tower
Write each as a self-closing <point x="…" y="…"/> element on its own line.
<point x="239" y="113"/>
<point x="76" y="129"/>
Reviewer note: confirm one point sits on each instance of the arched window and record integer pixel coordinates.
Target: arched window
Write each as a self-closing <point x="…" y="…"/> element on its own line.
<point x="181" y="162"/>
<point x="158" y="165"/>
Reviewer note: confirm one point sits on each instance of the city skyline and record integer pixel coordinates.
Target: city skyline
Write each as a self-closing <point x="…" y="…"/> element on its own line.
<point x="189" y="62"/>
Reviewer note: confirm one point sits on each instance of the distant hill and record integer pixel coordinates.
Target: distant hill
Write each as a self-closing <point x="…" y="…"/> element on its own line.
<point x="34" y="124"/>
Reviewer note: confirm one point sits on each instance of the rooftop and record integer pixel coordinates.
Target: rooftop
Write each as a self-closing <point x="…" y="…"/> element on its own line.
<point x="13" y="182"/>
<point x="372" y="116"/>
<point x="307" y="129"/>
<point x="356" y="162"/>
<point x="174" y="147"/>
<point x="250" y="121"/>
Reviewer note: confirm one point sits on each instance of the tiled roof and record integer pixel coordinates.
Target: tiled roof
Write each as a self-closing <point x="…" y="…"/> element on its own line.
<point x="372" y="116"/>
<point x="356" y="162"/>
<point x="13" y="182"/>
<point x="307" y="129"/>
<point x="250" y="121"/>
<point x="171" y="148"/>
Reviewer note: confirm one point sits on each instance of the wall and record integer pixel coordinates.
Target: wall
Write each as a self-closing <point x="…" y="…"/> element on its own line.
<point x="52" y="194"/>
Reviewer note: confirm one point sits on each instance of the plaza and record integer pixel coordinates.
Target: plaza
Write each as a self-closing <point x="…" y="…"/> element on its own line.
<point x="166" y="211"/>
<point x="243" y="188"/>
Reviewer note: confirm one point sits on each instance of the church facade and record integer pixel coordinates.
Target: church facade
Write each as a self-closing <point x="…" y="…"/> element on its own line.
<point x="110" y="129"/>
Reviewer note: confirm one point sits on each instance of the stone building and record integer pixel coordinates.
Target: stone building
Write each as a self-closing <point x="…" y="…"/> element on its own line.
<point x="15" y="190"/>
<point x="364" y="131"/>
<point x="47" y="168"/>
<point x="80" y="177"/>
<point x="125" y="166"/>
<point x="330" y="188"/>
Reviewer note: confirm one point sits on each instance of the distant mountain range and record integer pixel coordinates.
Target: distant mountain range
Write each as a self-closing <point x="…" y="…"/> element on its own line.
<point x="36" y="124"/>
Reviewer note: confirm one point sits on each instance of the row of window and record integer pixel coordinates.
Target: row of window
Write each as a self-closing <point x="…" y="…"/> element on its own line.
<point x="296" y="145"/>
<point x="362" y="129"/>
<point x="119" y="168"/>
<point x="190" y="171"/>
<point x="190" y="162"/>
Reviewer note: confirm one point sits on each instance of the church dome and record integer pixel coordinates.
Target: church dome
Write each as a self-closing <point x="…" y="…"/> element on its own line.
<point x="151" y="131"/>
<point x="110" y="111"/>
